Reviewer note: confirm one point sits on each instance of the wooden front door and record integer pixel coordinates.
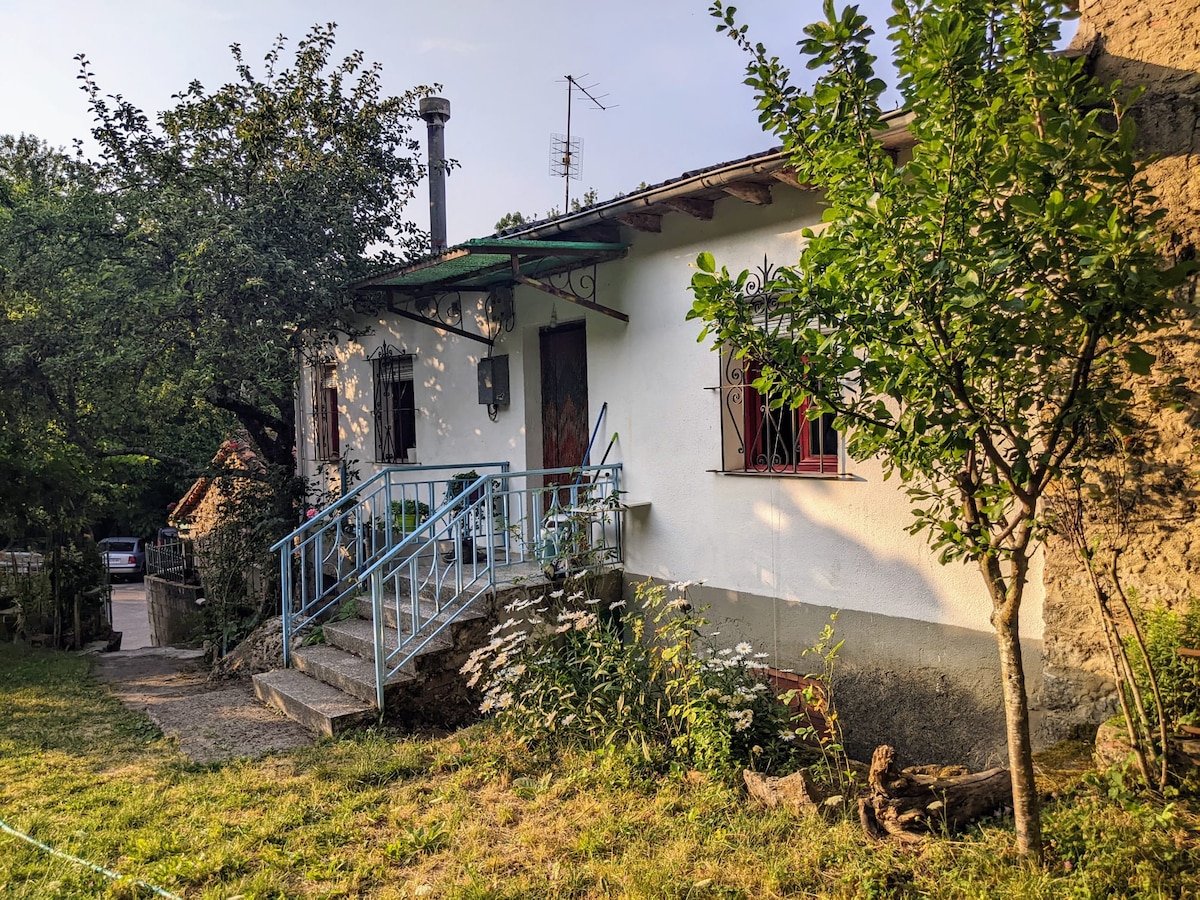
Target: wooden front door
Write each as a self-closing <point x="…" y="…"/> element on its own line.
<point x="564" y="397"/>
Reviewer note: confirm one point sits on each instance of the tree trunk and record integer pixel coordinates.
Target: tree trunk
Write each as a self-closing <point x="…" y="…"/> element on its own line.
<point x="1020" y="748"/>
<point x="906" y="804"/>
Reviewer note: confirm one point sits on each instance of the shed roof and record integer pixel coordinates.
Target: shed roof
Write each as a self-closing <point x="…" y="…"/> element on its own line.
<point x="485" y="262"/>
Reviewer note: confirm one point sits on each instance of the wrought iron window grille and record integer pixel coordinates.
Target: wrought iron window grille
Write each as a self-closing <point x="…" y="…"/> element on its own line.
<point x="393" y="405"/>
<point x="758" y="433"/>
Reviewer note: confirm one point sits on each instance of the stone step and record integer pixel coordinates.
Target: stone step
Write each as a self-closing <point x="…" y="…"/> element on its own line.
<point x="321" y="708"/>
<point x="428" y="610"/>
<point x="348" y="672"/>
<point x="357" y="636"/>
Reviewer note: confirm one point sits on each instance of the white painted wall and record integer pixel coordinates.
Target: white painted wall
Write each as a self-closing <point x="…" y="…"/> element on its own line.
<point x="833" y="542"/>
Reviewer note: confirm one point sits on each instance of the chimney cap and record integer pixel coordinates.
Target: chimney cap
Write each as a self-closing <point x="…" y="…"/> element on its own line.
<point x="435" y="110"/>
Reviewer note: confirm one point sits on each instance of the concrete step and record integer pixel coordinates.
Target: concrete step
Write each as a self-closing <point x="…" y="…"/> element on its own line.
<point x="428" y="610"/>
<point x="357" y="636"/>
<point x="319" y="707"/>
<point x="348" y="672"/>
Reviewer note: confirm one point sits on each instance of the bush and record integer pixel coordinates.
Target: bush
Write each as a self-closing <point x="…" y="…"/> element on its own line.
<point x="1165" y="631"/>
<point x="567" y="670"/>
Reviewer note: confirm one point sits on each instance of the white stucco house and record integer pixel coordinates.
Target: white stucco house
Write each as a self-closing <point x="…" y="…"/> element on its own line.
<point x="567" y="315"/>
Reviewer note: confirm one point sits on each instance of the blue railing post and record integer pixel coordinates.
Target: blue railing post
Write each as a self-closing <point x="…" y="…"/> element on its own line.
<point x="377" y="634"/>
<point x="285" y="583"/>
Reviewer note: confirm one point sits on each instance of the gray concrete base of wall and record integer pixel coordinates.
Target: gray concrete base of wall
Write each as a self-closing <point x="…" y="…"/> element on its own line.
<point x="172" y="610"/>
<point x="931" y="691"/>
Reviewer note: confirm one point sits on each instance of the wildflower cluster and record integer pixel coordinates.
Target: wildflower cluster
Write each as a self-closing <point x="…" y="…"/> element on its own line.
<point x="570" y="668"/>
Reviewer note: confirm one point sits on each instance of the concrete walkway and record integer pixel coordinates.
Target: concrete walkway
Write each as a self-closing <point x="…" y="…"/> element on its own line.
<point x="213" y="723"/>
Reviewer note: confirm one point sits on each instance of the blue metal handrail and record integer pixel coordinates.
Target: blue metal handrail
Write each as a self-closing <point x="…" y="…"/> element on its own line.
<point x="573" y="522"/>
<point x="319" y="559"/>
<point x="541" y="516"/>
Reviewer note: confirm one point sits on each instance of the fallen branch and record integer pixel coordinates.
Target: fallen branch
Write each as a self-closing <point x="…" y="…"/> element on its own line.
<point x="908" y="804"/>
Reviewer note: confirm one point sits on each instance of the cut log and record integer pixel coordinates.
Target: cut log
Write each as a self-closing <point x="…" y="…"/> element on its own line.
<point x="910" y="803"/>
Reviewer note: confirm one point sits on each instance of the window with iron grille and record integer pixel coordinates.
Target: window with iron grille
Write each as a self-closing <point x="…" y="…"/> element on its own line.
<point x="778" y="440"/>
<point x="325" y="411"/>
<point x="759" y="434"/>
<point x="395" y="407"/>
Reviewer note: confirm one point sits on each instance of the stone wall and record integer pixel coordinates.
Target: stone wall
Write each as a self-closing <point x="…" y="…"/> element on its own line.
<point x="1154" y="47"/>
<point x="172" y="610"/>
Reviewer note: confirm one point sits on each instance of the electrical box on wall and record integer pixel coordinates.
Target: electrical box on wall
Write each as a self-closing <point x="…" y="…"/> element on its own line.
<point x="493" y="380"/>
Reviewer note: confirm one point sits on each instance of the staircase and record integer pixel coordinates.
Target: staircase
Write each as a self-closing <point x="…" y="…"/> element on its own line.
<point x="331" y="686"/>
<point x="357" y="646"/>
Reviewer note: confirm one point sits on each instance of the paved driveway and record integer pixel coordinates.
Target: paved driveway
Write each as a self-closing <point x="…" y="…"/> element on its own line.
<point x="130" y="616"/>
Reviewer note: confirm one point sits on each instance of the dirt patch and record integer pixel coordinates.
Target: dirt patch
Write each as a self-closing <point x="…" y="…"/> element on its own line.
<point x="213" y="723"/>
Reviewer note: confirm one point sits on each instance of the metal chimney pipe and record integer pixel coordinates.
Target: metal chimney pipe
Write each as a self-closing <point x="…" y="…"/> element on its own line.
<point x="436" y="112"/>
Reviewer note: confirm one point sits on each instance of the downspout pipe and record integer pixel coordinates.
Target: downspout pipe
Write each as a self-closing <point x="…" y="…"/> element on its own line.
<point x="436" y="113"/>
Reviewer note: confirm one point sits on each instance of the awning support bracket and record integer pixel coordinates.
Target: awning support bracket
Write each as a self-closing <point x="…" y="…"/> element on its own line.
<point x="568" y="291"/>
<point x="439" y="324"/>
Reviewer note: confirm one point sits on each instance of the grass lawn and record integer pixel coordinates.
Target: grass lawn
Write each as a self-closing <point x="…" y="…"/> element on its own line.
<point x="470" y="816"/>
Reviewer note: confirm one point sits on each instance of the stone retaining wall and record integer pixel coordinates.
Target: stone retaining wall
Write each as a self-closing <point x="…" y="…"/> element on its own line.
<point x="172" y="610"/>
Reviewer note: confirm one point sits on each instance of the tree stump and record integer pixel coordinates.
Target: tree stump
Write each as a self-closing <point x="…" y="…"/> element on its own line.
<point x="908" y="804"/>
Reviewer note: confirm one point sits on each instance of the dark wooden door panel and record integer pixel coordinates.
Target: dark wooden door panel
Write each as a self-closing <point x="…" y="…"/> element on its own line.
<point x="564" y="396"/>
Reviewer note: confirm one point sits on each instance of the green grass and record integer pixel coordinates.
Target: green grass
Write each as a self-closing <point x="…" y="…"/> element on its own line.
<point x="470" y="816"/>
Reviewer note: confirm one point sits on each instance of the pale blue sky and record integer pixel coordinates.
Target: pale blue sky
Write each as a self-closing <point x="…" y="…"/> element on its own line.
<point x="675" y="84"/>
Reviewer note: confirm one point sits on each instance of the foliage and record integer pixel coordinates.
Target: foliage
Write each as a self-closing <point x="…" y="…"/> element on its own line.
<point x="404" y="508"/>
<point x="968" y="308"/>
<point x="574" y="673"/>
<point x="511" y="220"/>
<point x="237" y="569"/>
<point x="95" y="427"/>
<point x="517" y="219"/>
<point x="251" y="208"/>
<point x="1167" y="630"/>
<point x="86" y="776"/>
<point x="51" y="593"/>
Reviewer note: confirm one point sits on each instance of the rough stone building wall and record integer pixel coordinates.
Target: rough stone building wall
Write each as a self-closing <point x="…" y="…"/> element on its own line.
<point x="1154" y="46"/>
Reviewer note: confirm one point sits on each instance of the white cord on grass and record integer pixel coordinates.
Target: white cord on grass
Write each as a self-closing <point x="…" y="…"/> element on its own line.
<point x="83" y="862"/>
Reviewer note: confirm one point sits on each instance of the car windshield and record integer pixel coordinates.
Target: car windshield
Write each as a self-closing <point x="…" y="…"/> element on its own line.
<point x="119" y="546"/>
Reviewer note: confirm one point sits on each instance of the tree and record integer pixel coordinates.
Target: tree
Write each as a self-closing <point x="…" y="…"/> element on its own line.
<point x="94" y="425"/>
<point x="967" y="314"/>
<point x="251" y="209"/>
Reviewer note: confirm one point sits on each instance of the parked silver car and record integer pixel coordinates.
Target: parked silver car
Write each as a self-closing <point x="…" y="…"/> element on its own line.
<point x="123" y="555"/>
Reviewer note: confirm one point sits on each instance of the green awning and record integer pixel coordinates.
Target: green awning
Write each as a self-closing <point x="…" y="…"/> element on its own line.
<point x="486" y="262"/>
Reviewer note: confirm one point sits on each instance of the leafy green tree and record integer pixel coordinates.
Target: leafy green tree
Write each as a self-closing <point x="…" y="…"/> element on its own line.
<point x="967" y="313"/>
<point x="93" y="420"/>
<point x="251" y="208"/>
<point x="514" y="219"/>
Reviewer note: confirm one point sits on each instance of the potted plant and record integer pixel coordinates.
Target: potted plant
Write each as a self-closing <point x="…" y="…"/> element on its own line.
<point x="458" y="483"/>
<point x="408" y="514"/>
<point x="456" y="490"/>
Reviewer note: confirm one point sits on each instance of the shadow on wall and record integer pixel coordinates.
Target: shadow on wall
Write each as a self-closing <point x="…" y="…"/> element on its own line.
<point x="931" y="691"/>
<point x="929" y="716"/>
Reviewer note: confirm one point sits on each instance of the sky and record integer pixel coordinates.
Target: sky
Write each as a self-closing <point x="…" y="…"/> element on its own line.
<point x="672" y="85"/>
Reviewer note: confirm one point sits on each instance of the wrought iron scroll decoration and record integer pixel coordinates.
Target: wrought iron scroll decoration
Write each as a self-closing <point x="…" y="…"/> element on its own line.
<point x="500" y="308"/>
<point x="763" y="301"/>
<point x="385" y="351"/>
<point x="442" y="309"/>
<point x="580" y="282"/>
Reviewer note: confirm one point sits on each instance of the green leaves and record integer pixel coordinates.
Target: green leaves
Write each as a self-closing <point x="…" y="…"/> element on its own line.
<point x="971" y="291"/>
<point x="258" y="203"/>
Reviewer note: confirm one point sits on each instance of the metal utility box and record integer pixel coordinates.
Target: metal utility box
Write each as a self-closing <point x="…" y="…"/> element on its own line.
<point x="493" y="380"/>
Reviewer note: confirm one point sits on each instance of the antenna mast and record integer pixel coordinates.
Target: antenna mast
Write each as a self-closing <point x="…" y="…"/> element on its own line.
<point x="565" y="150"/>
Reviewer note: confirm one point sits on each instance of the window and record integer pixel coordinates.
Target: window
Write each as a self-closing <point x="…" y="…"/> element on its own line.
<point x="757" y="438"/>
<point x="395" y="407"/>
<point x="325" y="410"/>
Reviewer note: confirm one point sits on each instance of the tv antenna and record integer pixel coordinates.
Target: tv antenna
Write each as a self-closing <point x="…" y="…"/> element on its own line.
<point x="566" y="152"/>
